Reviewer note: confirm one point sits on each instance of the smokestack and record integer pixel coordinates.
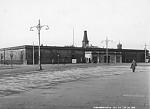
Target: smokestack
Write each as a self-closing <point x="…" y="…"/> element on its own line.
<point x="85" y="42"/>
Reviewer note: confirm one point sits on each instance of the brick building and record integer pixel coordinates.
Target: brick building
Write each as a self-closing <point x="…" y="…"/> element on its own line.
<point x="52" y="54"/>
<point x="55" y="54"/>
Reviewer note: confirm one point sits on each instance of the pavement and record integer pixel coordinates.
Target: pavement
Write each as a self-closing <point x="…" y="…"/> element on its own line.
<point x="96" y="87"/>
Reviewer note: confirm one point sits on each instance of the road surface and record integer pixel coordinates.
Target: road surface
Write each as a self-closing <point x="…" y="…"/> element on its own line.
<point x="96" y="87"/>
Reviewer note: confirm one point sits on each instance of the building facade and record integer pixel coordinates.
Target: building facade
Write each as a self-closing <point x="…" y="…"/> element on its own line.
<point x="28" y="54"/>
<point x="53" y="55"/>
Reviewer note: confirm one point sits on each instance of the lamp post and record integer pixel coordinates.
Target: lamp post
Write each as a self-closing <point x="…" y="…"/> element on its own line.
<point x="98" y="57"/>
<point x="115" y="57"/>
<point x="58" y="58"/>
<point x="106" y="41"/>
<point x="4" y="57"/>
<point x="11" y="56"/>
<point x="33" y="53"/>
<point x="38" y="27"/>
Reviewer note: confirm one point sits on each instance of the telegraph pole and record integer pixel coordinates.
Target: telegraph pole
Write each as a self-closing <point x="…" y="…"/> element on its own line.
<point x="33" y="53"/>
<point x="4" y="56"/>
<point x="11" y="57"/>
<point x="38" y="27"/>
<point x="107" y="50"/>
<point x="107" y="41"/>
<point x="73" y="37"/>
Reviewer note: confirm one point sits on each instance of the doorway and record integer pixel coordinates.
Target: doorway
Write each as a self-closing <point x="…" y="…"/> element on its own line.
<point x="105" y="59"/>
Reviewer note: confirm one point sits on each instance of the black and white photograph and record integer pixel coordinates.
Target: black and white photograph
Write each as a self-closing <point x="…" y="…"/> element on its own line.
<point x="74" y="54"/>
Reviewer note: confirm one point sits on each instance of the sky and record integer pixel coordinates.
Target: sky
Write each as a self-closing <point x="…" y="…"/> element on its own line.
<point x="127" y="21"/>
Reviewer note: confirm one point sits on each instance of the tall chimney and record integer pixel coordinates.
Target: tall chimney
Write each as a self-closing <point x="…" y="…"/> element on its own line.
<point x="85" y="42"/>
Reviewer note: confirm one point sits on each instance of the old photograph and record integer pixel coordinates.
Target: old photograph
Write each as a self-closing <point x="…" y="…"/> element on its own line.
<point x="74" y="54"/>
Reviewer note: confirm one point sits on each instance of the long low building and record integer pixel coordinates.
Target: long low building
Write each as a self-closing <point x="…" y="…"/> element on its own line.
<point x="28" y="54"/>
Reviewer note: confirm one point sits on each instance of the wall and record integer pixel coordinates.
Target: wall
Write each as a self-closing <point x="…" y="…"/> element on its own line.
<point x="54" y="55"/>
<point x="49" y="55"/>
<point x="100" y="57"/>
<point x="18" y="56"/>
<point x="127" y="57"/>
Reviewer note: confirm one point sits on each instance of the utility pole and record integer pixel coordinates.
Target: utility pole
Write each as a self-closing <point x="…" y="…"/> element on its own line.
<point x="38" y="27"/>
<point x="115" y="57"/>
<point x="4" y="57"/>
<point x="58" y="59"/>
<point x="107" y="41"/>
<point x="73" y="37"/>
<point x="11" y="57"/>
<point x="98" y="57"/>
<point x="145" y="52"/>
<point x="33" y="53"/>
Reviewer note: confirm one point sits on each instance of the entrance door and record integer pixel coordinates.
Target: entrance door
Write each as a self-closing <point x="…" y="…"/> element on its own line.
<point x="94" y="59"/>
<point x="105" y="59"/>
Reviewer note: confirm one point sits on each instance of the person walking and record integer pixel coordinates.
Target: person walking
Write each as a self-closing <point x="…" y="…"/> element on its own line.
<point x="133" y="65"/>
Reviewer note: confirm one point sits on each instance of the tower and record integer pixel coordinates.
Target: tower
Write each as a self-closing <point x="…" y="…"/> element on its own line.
<point x="119" y="46"/>
<point x="85" y="42"/>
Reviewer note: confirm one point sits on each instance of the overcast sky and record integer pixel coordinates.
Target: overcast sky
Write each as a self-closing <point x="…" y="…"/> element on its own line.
<point x="127" y="21"/>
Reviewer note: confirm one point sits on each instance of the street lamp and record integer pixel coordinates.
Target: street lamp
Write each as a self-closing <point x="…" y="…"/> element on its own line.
<point x="11" y="56"/>
<point x="38" y="27"/>
<point x="98" y="57"/>
<point x="4" y="57"/>
<point x="106" y="41"/>
<point x="33" y="58"/>
<point x="1" y="58"/>
<point x="115" y="57"/>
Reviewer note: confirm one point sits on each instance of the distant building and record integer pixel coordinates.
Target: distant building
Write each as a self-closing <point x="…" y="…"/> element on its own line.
<point x="70" y="54"/>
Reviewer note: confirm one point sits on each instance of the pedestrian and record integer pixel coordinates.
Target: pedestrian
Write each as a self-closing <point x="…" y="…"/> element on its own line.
<point x="133" y="65"/>
<point x="52" y="61"/>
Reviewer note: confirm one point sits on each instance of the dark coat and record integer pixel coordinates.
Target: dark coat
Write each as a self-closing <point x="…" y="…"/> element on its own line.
<point x="133" y="65"/>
